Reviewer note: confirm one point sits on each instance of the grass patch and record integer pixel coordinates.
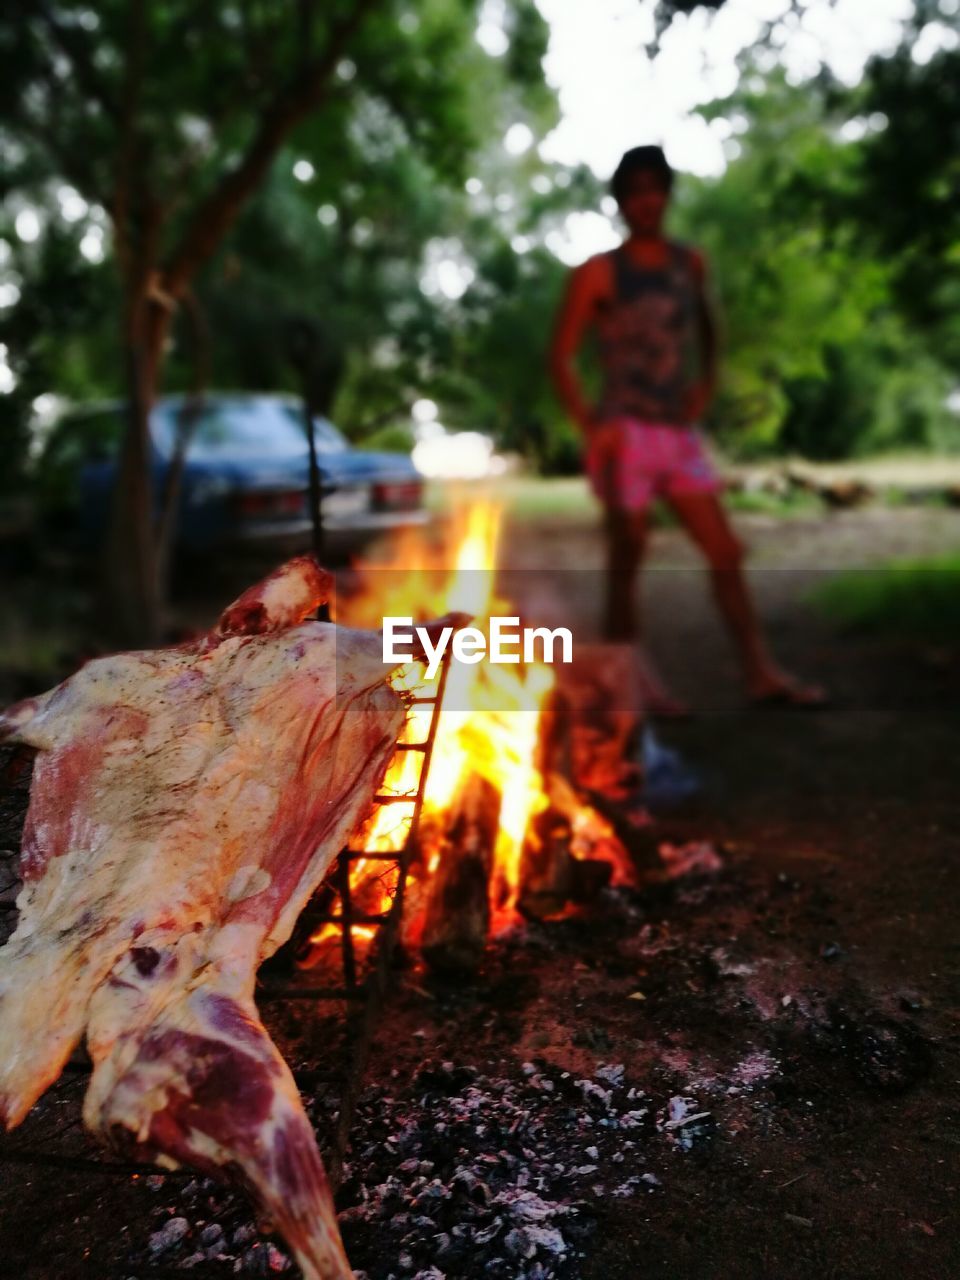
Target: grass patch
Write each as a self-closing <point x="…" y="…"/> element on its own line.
<point x="522" y="497"/>
<point x="796" y="502"/>
<point x="569" y="498"/>
<point x="909" y="597"/>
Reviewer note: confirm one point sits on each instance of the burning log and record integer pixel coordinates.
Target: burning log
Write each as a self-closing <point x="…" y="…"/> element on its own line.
<point x="552" y="874"/>
<point x="557" y="863"/>
<point x="457" y="916"/>
<point x="588" y="876"/>
<point x="546" y="866"/>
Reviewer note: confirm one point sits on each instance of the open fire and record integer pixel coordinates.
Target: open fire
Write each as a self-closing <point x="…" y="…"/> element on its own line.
<point x="491" y="797"/>
<point x="185" y="806"/>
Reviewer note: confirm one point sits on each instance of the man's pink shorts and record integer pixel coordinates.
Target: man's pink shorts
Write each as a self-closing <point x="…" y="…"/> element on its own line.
<point x="650" y="460"/>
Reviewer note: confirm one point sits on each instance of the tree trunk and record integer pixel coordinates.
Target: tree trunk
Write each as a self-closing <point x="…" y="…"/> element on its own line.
<point x="134" y="613"/>
<point x="187" y="418"/>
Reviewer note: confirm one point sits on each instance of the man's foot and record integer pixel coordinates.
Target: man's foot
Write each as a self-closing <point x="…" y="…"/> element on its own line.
<point x="776" y="689"/>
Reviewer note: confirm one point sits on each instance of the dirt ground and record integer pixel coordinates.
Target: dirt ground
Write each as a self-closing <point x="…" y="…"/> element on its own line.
<point x="752" y="1072"/>
<point x="807" y="997"/>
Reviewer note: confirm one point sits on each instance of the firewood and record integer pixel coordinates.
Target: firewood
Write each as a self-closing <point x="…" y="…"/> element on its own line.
<point x="552" y="877"/>
<point x="457" y="916"/>
<point x="588" y="876"/>
<point x="595" y="842"/>
<point x="844" y="494"/>
<point x="546" y="866"/>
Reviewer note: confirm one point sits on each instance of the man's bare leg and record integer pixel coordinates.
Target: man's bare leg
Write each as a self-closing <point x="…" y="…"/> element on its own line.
<point x="707" y="523"/>
<point x="626" y="539"/>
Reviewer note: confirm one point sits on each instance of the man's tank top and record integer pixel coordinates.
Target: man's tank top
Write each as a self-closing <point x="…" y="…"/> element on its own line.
<point x="649" y="347"/>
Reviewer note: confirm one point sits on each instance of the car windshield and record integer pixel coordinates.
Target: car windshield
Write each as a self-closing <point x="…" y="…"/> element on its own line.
<point x="248" y="427"/>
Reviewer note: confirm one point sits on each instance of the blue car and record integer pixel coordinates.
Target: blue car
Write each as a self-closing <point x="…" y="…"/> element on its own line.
<point x="245" y="480"/>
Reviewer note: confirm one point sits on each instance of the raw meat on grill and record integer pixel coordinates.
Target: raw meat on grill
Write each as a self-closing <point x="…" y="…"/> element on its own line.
<point x="185" y="804"/>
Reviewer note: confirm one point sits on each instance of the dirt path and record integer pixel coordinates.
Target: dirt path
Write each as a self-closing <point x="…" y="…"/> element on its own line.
<point x="804" y="1002"/>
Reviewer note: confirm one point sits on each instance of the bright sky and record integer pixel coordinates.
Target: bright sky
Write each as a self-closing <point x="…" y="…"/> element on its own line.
<point x="613" y="96"/>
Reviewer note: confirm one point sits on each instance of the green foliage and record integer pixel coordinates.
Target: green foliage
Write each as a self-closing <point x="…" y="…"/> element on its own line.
<point x="908" y="180"/>
<point x="58" y="336"/>
<point x="393" y="439"/>
<point x="356" y="272"/>
<point x="821" y="358"/>
<point x="915" y="598"/>
<point x="835" y="260"/>
<point x="795" y="502"/>
<point x="512" y="313"/>
<point x="151" y="111"/>
<point x="876" y="395"/>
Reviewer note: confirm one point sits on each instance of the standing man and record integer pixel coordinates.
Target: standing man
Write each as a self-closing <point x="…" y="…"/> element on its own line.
<point x="647" y="302"/>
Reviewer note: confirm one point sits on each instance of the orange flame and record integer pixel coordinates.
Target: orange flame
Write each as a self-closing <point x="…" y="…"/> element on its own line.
<point x="489" y="718"/>
<point x="488" y="721"/>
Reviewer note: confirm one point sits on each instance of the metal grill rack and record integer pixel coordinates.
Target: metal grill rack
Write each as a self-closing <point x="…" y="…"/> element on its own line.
<point x="364" y="995"/>
<point x="343" y="914"/>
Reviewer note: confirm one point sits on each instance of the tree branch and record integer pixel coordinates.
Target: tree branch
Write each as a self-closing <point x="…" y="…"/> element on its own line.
<point x="292" y="104"/>
<point x="126" y="186"/>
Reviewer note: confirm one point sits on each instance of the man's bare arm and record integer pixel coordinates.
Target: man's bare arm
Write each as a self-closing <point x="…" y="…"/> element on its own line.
<point x="585" y="288"/>
<point x="707" y="333"/>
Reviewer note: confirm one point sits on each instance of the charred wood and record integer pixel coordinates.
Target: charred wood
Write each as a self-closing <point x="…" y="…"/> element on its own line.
<point x="457" y="915"/>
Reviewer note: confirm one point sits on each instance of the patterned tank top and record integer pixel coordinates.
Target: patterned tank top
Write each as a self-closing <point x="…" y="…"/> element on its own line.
<point x="648" y="335"/>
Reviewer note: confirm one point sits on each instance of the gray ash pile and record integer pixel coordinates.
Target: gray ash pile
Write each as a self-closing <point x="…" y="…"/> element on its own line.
<point x="469" y="1174"/>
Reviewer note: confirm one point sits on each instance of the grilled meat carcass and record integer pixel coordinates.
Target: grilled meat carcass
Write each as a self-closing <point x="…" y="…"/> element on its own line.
<point x="185" y="804"/>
